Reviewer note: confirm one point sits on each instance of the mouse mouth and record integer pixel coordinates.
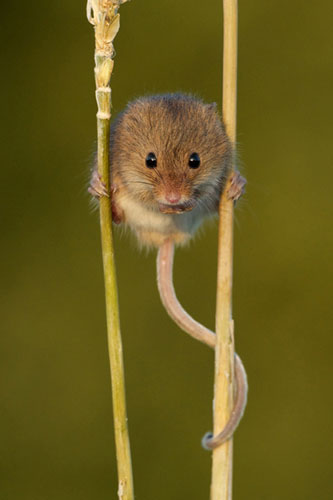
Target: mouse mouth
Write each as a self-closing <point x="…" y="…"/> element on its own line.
<point x="178" y="208"/>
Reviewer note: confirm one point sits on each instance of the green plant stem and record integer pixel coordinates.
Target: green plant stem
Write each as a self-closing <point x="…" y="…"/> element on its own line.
<point x="221" y="486"/>
<point x="103" y="15"/>
<point x="124" y="465"/>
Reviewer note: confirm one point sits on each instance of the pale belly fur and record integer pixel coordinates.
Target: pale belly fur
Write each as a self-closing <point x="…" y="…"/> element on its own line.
<point x="152" y="227"/>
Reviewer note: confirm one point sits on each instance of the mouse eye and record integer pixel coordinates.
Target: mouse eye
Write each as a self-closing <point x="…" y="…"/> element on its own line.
<point x="151" y="160"/>
<point x="194" y="161"/>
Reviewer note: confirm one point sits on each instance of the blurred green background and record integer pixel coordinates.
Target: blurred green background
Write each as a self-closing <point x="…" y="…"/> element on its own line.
<point x="56" y="414"/>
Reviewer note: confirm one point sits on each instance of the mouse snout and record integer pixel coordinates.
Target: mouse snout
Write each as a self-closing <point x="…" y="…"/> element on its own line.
<point x="174" y="201"/>
<point x="172" y="197"/>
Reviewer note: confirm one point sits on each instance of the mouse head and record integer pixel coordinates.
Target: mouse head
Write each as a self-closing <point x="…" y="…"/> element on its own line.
<point x="171" y="152"/>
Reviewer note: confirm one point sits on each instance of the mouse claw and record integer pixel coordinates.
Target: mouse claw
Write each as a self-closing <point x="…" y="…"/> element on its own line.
<point x="236" y="186"/>
<point x="97" y="187"/>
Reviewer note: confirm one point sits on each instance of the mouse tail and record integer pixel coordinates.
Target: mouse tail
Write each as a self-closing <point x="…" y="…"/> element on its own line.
<point x="165" y="258"/>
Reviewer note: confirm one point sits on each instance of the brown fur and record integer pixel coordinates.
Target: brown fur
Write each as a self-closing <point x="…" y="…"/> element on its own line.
<point x="173" y="126"/>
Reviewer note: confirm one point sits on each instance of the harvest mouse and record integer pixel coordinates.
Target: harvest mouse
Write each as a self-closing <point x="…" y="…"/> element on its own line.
<point x="170" y="160"/>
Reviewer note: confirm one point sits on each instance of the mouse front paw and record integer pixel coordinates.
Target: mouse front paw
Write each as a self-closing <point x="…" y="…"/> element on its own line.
<point x="236" y="186"/>
<point x="97" y="188"/>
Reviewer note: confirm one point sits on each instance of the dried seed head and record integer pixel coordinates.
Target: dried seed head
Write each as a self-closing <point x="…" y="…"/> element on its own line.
<point x="102" y="14"/>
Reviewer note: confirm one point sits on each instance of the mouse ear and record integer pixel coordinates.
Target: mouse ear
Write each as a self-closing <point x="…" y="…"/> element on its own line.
<point x="212" y="107"/>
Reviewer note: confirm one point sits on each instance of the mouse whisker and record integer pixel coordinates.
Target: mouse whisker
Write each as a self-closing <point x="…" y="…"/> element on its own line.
<point x="139" y="182"/>
<point x="159" y="175"/>
<point x="203" y="203"/>
<point x="161" y="178"/>
<point x="205" y="198"/>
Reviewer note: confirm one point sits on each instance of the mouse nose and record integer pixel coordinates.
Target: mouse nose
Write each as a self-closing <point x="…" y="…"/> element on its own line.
<point x="172" y="197"/>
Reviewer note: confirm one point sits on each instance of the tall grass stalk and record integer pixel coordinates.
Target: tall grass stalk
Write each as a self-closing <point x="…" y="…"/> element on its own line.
<point x="221" y="486"/>
<point x="103" y="15"/>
